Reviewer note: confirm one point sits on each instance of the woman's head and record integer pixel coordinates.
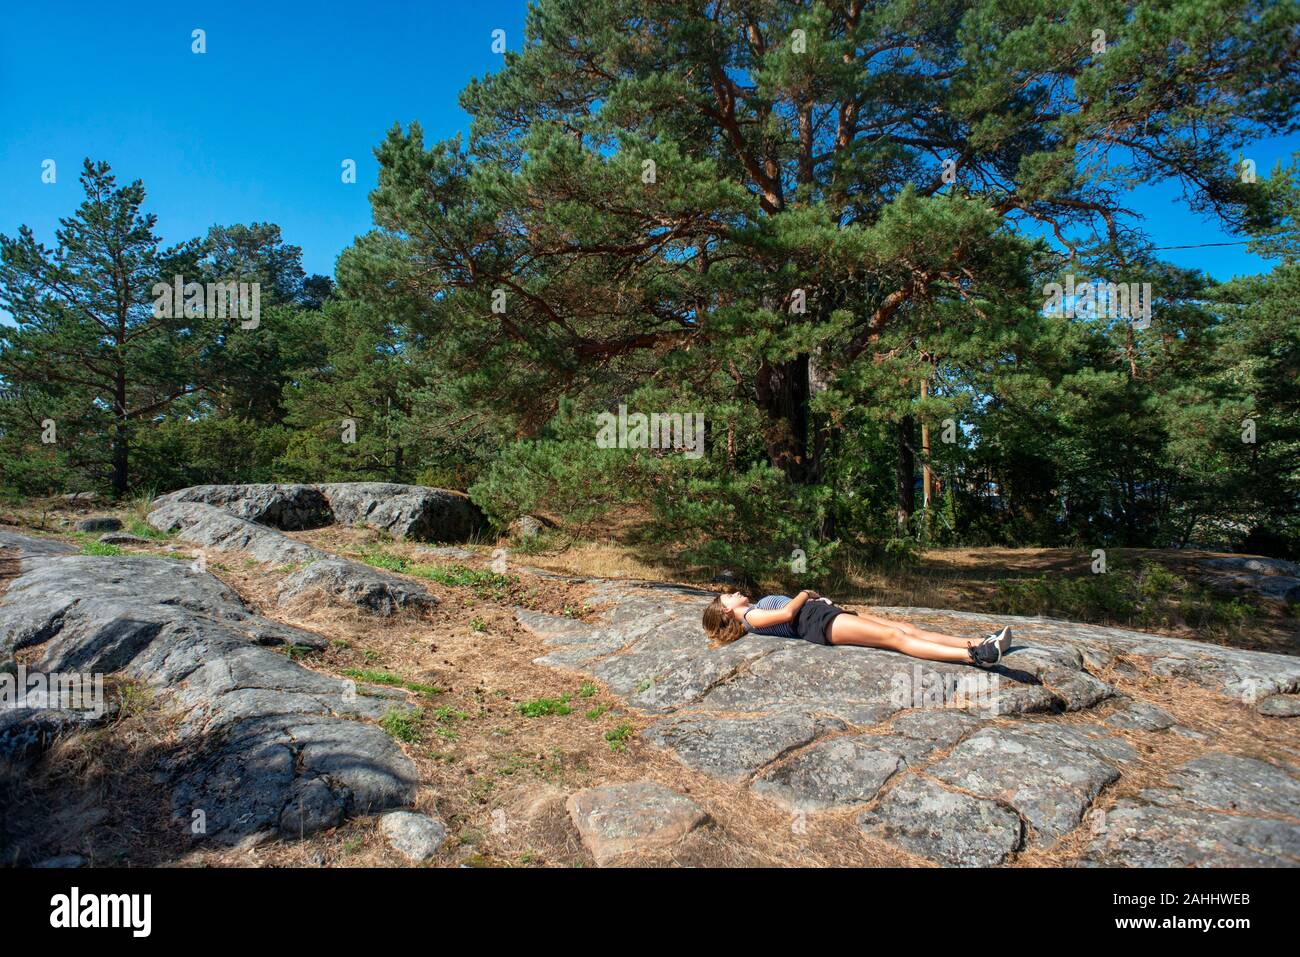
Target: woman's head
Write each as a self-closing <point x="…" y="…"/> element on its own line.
<point x="722" y="618"/>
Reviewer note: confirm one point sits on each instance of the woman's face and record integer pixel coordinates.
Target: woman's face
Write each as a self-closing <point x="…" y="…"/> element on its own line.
<point x="736" y="603"/>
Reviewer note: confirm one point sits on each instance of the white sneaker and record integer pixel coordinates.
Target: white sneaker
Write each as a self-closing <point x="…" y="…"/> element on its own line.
<point x="1001" y="638"/>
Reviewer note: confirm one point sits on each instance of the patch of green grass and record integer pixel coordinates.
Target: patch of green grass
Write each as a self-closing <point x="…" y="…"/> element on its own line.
<point x="617" y="737"/>
<point x="99" y="548"/>
<point x="544" y="707"/>
<point x="370" y="676"/>
<point x="1149" y="595"/>
<point x="381" y="559"/>
<point x="142" y="529"/>
<point x="401" y="725"/>
<point x="446" y="717"/>
<point x="478" y="624"/>
<point x="460" y="576"/>
<point x="486" y="584"/>
<point x="588" y="689"/>
<point x="597" y="711"/>
<point x="644" y="684"/>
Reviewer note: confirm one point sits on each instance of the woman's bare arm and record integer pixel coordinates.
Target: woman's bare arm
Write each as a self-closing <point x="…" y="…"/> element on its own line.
<point x="763" y="618"/>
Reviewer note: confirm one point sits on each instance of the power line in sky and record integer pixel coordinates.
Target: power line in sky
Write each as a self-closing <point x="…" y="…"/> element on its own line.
<point x="1242" y="242"/>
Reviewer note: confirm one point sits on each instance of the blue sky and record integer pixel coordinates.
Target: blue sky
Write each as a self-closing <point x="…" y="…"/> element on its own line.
<point x="256" y="128"/>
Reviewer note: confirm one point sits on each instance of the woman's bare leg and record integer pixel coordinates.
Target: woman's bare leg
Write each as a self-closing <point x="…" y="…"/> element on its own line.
<point x="851" y="630"/>
<point x="952" y="641"/>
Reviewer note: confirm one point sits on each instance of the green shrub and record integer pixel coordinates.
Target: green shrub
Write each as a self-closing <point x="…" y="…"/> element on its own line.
<point x="755" y="523"/>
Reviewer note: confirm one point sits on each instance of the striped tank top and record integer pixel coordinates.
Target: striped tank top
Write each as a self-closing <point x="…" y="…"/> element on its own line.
<point x="772" y="603"/>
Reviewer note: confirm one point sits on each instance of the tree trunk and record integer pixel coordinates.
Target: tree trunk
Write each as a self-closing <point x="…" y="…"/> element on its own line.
<point x="783" y="394"/>
<point x="925" y="450"/>
<point x="121" y="442"/>
<point x="904" y="474"/>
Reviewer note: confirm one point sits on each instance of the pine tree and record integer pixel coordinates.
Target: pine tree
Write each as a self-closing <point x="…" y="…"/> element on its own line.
<point x="91" y="359"/>
<point x="792" y="193"/>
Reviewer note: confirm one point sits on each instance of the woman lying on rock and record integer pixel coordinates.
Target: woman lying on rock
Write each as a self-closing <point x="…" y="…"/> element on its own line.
<point x="809" y="616"/>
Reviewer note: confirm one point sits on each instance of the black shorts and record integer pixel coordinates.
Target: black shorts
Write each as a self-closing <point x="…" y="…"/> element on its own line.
<point x="814" y="619"/>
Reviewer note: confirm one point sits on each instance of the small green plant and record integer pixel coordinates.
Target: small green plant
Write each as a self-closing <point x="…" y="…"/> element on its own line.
<point x="401" y="725"/>
<point x="596" y="712"/>
<point x="544" y="707"/>
<point x="132" y="699"/>
<point x="900" y="552"/>
<point x="588" y="689"/>
<point x="99" y="548"/>
<point x="445" y="718"/>
<point x="478" y="624"/>
<point x="617" y="737"/>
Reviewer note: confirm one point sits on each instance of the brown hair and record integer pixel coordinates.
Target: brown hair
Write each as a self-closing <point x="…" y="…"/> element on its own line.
<point x="720" y="625"/>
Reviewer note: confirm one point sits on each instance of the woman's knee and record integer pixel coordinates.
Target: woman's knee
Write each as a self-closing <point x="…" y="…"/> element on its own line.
<point x="892" y="636"/>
